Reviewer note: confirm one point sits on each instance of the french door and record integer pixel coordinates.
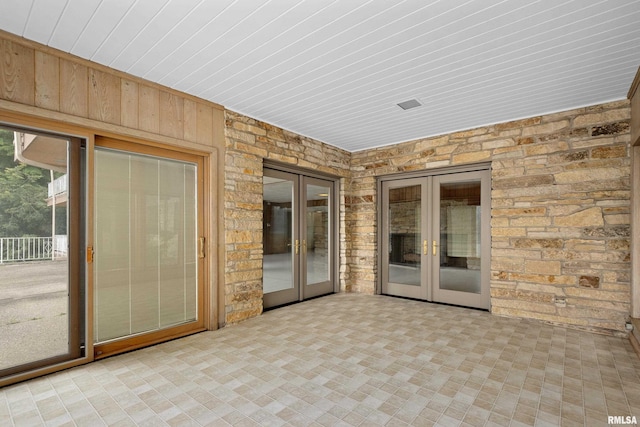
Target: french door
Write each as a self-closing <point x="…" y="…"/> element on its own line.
<point x="436" y="238"/>
<point x="298" y="237"/>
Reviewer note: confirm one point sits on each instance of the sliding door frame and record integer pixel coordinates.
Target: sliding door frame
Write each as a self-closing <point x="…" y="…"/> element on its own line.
<point x="79" y="147"/>
<point x="86" y="130"/>
<point x="141" y="340"/>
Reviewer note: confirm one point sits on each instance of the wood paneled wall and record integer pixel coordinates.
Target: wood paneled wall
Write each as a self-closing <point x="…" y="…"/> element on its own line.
<point x="44" y="83"/>
<point x="42" y="77"/>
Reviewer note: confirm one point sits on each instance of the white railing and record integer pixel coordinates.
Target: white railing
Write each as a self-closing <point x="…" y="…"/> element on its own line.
<point x="58" y="186"/>
<point x="17" y="249"/>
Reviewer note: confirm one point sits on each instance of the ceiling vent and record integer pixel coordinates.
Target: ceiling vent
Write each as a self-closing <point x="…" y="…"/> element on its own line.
<point x="407" y="105"/>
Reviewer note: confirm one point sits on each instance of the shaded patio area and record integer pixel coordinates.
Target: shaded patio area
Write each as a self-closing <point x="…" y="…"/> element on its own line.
<point x="349" y="360"/>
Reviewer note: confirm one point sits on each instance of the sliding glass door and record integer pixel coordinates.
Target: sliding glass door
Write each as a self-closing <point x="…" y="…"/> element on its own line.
<point x="148" y="263"/>
<point x="298" y="237"/>
<point x="436" y="238"/>
<point x="42" y="307"/>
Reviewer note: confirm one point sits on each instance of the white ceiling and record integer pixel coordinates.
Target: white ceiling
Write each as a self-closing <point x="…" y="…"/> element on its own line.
<point x="334" y="70"/>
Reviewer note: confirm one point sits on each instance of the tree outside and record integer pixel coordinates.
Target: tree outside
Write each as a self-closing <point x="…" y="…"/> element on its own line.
<point x="23" y="193"/>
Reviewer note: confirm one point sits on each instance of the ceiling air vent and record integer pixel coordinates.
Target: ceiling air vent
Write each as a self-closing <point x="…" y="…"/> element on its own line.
<point x="407" y="105"/>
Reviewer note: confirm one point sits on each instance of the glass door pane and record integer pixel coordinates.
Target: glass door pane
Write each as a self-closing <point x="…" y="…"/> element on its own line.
<point x="145" y="265"/>
<point x="41" y="310"/>
<point x="317" y="243"/>
<point x="281" y="242"/>
<point x="460" y="238"/>
<point x="405" y="227"/>
<point x="461" y="242"/>
<point x="405" y="235"/>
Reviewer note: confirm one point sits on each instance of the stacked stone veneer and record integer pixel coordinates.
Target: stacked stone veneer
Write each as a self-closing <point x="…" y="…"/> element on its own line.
<point x="560" y="199"/>
<point x="560" y="223"/>
<point x="248" y="143"/>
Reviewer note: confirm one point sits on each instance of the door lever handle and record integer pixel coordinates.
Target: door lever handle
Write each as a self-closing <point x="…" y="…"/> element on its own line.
<point x="425" y="247"/>
<point x="435" y="248"/>
<point x="201" y="248"/>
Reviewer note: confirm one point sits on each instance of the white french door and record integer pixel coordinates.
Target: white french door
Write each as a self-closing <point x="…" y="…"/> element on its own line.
<point x="436" y="238"/>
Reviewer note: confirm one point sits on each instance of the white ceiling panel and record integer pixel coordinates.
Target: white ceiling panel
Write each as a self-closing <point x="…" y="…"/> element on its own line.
<point x="99" y="27"/>
<point x="14" y="16"/>
<point x="162" y="36"/>
<point x="40" y="24"/>
<point x="71" y="21"/>
<point x="334" y="70"/>
<point x="129" y="29"/>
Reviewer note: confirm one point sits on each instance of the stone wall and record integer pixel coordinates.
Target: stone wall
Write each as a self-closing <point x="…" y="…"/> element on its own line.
<point x="248" y="143"/>
<point x="560" y="212"/>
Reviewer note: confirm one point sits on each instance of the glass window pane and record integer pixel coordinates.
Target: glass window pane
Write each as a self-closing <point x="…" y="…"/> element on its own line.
<point x="146" y="237"/>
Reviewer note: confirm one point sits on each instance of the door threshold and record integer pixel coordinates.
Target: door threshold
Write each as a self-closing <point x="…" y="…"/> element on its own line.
<point x="264" y="310"/>
<point x="437" y="302"/>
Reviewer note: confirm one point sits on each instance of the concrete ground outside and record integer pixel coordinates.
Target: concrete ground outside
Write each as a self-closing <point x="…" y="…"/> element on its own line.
<point x="33" y="311"/>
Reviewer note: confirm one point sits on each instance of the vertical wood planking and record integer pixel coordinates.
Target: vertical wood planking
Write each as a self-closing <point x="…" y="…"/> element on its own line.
<point x="149" y="109"/>
<point x="73" y="88"/>
<point x="129" y="104"/>
<point x="104" y="97"/>
<point x="53" y="81"/>
<point x="171" y="115"/>
<point x="17" y="69"/>
<point x="204" y="117"/>
<point x="47" y="76"/>
<point x="190" y="121"/>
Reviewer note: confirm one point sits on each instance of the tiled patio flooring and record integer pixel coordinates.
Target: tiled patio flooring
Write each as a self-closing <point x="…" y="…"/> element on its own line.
<point x="348" y="360"/>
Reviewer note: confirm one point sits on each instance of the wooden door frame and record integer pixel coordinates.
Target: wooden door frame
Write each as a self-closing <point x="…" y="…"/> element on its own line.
<point x="137" y="341"/>
<point x="87" y="130"/>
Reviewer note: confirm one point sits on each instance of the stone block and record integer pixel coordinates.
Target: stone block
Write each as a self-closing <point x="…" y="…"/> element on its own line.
<point x="514" y="212"/>
<point x="543" y="267"/>
<point x="545" y="128"/>
<point x="615" y="151"/>
<point x="473" y="157"/>
<point x="591" y="217"/>
<point x="523" y="181"/>
<point x="615" y="115"/>
<point x="538" y="243"/>
<point x="581" y="176"/>
<point x="518" y="123"/>
<point x="611" y="129"/>
<point x="522" y="295"/>
<point x="589" y="281"/>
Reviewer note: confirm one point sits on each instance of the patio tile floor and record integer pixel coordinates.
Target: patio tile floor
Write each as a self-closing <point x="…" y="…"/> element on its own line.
<point x="348" y="360"/>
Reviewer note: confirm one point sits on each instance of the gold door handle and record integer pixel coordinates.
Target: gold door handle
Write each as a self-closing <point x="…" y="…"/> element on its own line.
<point x="304" y="246"/>
<point x="201" y="248"/>
<point x="425" y="247"/>
<point x="297" y="246"/>
<point x="435" y="248"/>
